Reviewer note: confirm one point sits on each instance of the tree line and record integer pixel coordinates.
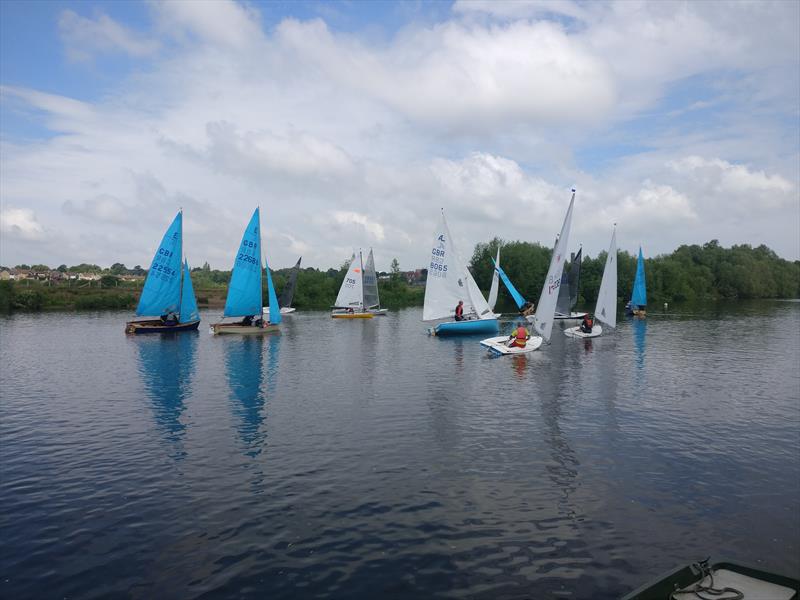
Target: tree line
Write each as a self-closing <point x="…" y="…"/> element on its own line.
<point x="690" y="273"/>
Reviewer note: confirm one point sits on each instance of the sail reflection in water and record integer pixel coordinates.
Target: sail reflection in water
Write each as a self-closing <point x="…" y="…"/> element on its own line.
<point x="249" y="385"/>
<point x="166" y="367"/>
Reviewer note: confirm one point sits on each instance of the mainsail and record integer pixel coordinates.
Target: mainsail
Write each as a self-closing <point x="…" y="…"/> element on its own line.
<point x="287" y="295"/>
<point x="568" y="290"/>
<point x="188" y="301"/>
<point x="495" y="282"/>
<point x="606" y="309"/>
<point x="543" y="322"/>
<point x="161" y="293"/>
<point x="351" y="293"/>
<point x="639" y="295"/>
<point x="244" y="290"/>
<point x="449" y="281"/>
<point x="371" y="299"/>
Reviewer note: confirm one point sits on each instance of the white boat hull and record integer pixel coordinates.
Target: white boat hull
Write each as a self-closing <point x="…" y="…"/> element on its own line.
<point x="572" y="315"/>
<point x="378" y="312"/>
<point x="576" y="332"/>
<point x="499" y="345"/>
<point x="286" y="310"/>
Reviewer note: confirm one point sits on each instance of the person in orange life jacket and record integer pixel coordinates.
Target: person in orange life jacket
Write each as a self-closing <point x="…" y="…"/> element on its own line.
<point x="460" y="311"/>
<point x="519" y="338"/>
<point x="587" y="323"/>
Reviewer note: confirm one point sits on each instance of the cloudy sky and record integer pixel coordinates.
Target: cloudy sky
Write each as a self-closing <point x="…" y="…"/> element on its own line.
<point x="351" y="123"/>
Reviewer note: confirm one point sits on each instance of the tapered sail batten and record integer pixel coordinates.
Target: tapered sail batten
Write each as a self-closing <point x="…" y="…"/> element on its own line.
<point x="244" y="290"/>
<point x="639" y="295"/>
<point x="189" y="310"/>
<point x="287" y="295"/>
<point x="543" y="322"/>
<point x="351" y="292"/>
<point x="371" y="297"/>
<point x="161" y="293"/>
<point x="606" y="309"/>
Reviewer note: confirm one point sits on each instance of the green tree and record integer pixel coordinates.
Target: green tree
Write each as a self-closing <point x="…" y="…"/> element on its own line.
<point x="119" y="269"/>
<point x="394" y="269"/>
<point x="109" y="281"/>
<point x="62" y="268"/>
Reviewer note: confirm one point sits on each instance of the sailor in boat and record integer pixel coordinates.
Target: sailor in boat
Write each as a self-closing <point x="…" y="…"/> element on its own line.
<point x="460" y="311"/>
<point x="587" y="323"/>
<point x="169" y="320"/>
<point x="519" y="338"/>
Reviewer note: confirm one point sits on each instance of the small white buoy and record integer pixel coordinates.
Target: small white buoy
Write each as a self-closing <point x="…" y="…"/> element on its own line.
<point x="666" y="306"/>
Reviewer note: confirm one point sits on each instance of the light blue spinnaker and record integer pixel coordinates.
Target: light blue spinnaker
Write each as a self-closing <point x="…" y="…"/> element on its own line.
<point x="189" y="310"/>
<point x="161" y="293"/>
<point x="244" y="290"/>
<point x="639" y="295"/>
<point x="510" y="287"/>
<point x="274" y="307"/>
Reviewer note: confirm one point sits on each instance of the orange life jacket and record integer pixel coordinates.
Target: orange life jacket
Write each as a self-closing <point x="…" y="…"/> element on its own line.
<point x="520" y="337"/>
<point x="460" y="310"/>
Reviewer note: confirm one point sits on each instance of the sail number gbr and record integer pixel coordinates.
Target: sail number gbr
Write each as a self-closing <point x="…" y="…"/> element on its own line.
<point x="437" y="267"/>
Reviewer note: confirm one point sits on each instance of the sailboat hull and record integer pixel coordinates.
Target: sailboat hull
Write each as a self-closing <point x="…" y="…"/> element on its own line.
<point x="353" y="315"/>
<point x="476" y="326"/>
<point x="576" y="332"/>
<point x="236" y="328"/>
<point x="499" y="345"/>
<point x="572" y="315"/>
<point x="379" y="312"/>
<point x="286" y="310"/>
<point x="156" y="326"/>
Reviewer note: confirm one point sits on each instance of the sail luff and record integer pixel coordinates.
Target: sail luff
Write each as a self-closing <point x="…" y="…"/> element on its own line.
<point x="244" y="290"/>
<point x="161" y="293"/>
<point x="606" y="309"/>
<point x="543" y="322"/>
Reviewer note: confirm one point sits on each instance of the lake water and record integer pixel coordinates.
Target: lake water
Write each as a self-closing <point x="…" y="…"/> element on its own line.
<point x="364" y="459"/>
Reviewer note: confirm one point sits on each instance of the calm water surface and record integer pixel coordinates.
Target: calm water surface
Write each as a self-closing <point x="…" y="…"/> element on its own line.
<point x="363" y="459"/>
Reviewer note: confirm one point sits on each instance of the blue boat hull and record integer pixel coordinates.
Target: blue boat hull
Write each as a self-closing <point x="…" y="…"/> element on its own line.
<point x="482" y="327"/>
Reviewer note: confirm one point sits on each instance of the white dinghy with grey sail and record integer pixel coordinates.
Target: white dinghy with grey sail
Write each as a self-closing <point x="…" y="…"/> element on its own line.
<point x="606" y="309"/>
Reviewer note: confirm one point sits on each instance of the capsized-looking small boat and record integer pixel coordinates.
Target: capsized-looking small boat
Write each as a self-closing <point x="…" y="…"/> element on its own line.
<point x="606" y="308"/>
<point x="167" y="302"/>
<point x="449" y="281"/>
<point x="244" y="290"/>
<point x="721" y="581"/>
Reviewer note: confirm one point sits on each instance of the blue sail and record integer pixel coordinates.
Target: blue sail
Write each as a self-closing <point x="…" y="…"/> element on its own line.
<point x="510" y="287"/>
<point x="244" y="290"/>
<point x="161" y="293"/>
<point x="639" y="296"/>
<point x="188" y="301"/>
<point x="274" y="307"/>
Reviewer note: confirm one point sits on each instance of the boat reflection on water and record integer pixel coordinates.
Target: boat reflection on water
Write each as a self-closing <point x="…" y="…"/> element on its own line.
<point x="244" y="364"/>
<point x="166" y="368"/>
<point x="639" y="335"/>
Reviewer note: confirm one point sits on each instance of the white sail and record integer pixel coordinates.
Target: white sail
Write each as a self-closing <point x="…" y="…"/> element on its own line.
<point x="449" y="281"/>
<point x="543" y="322"/>
<point x="495" y="283"/>
<point x="370" y="279"/>
<point x="350" y="294"/>
<point x="606" y="310"/>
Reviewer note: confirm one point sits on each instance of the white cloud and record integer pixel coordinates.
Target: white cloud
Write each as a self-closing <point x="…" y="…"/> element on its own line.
<point x="20" y="223"/>
<point x="222" y="23"/>
<point x="84" y="37"/>
<point x="346" y="218"/>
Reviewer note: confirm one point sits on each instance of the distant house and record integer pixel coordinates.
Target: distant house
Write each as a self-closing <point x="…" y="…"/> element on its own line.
<point x="89" y="276"/>
<point x="21" y="274"/>
<point x="5" y="275"/>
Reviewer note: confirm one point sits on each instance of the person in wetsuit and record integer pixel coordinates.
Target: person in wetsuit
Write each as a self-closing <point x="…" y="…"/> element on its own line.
<point x="587" y="323"/>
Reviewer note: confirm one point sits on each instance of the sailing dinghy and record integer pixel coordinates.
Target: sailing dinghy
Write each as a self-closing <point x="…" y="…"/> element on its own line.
<point x="449" y="281"/>
<point x="543" y="319"/>
<point x="606" y="309"/>
<point x="568" y="294"/>
<point x="372" y="302"/>
<point x="244" y="302"/>
<point x="167" y="302"/>
<point x="350" y="300"/>
<point x="638" y="302"/>
<point x="287" y="295"/>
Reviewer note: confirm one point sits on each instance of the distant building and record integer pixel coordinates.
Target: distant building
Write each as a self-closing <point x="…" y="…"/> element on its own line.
<point x="5" y="275"/>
